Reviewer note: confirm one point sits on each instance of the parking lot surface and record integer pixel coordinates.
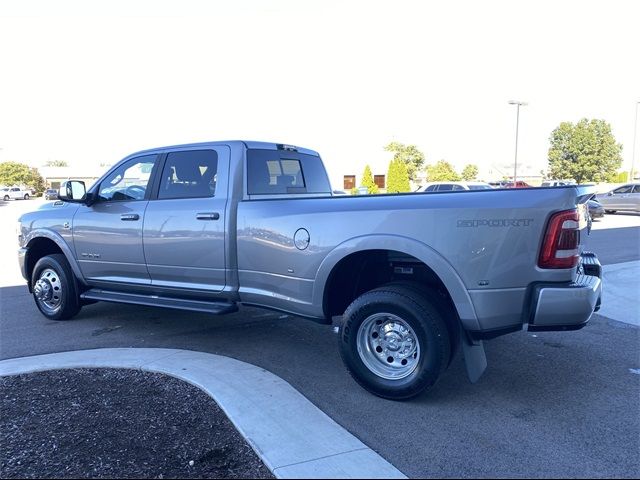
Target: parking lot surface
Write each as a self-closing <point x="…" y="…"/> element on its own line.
<point x="549" y="405"/>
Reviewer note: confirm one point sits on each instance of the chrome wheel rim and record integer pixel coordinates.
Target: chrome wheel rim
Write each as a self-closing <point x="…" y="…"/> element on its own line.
<point x="48" y="290"/>
<point x="388" y="346"/>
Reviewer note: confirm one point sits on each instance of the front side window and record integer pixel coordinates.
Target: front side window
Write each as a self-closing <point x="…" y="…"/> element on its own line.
<point x="189" y="174"/>
<point x="445" y="187"/>
<point x="624" y="189"/>
<point x="129" y="181"/>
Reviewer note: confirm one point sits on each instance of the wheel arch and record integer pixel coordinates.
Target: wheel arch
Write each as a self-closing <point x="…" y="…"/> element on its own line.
<point x="45" y="242"/>
<point x="356" y="252"/>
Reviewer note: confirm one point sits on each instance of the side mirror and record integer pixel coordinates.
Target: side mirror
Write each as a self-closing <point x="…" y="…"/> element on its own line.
<point x="609" y="194"/>
<point x="73" y="191"/>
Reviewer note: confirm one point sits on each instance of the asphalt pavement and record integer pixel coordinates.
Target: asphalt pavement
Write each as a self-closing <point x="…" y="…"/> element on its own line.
<point x="553" y="404"/>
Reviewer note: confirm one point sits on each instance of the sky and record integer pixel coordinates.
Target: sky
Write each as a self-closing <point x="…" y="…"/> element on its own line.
<point x="92" y="81"/>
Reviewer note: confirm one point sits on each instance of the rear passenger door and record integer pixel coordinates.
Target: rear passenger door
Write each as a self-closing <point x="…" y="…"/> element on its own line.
<point x="620" y="198"/>
<point x="184" y="228"/>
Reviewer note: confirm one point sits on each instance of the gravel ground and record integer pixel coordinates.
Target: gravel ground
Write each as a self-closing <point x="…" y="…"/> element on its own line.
<point x="107" y="423"/>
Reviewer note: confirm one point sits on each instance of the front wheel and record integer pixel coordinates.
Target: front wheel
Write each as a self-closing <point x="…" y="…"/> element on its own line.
<point x="54" y="288"/>
<point x="394" y="342"/>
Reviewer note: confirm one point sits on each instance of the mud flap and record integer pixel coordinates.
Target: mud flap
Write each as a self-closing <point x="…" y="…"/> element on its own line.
<point x="474" y="357"/>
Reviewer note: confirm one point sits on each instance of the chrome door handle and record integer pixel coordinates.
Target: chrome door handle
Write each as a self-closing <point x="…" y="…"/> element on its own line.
<point x="208" y="216"/>
<point x="131" y="217"/>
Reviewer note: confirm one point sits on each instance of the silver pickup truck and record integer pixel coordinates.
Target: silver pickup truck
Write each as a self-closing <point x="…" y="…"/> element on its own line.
<point x="409" y="279"/>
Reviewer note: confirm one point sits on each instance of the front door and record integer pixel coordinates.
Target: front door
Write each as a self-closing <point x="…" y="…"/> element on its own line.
<point x="184" y="227"/>
<point x="108" y="234"/>
<point x="619" y="198"/>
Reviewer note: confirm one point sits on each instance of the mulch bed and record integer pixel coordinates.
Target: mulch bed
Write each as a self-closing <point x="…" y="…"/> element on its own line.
<point x="108" y="423"/>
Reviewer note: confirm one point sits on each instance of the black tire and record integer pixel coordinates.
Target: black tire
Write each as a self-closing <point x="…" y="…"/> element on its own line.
<point x="610" y="211"/>
<point x="6" y="198"/>
<point x="57" y="278"/>
<point x="419" y="312"/>
<point x="26" y="196"/>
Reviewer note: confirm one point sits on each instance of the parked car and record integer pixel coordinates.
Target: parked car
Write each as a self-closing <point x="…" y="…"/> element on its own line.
<point x="596" y="210"/>
<point x="499" y="184"/>
<point x="557" y="183"/>
<point x="518" y="184"/>
<point x="51" y="194"/>
<point x="408" y="279"/>
<point x="453" y="186"/>
<point x="625" y="198"/>
<point x="15" y="193"/>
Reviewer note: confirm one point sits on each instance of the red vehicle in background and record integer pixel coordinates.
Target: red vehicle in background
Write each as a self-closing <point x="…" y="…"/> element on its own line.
<point x="518" y="184"/>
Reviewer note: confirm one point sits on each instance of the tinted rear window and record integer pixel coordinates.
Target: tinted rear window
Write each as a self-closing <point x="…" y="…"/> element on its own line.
<point x="272" y="172"/>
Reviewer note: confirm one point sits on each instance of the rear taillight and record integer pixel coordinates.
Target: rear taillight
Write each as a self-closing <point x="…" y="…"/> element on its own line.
<point x="561" y="240"/>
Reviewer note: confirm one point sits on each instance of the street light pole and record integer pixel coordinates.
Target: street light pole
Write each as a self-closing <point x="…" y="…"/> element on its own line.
<point x="633" y="152"/>
<point x="515" y="163"/>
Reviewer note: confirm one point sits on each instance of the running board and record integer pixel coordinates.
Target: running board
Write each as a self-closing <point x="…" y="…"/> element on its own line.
<point x="216" y="308"/>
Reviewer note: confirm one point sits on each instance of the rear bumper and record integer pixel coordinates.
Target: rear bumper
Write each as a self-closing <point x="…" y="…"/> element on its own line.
<point x="569" y="306"/>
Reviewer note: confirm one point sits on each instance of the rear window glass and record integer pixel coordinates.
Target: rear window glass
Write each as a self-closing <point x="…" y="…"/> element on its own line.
<point x="272" y="172"/>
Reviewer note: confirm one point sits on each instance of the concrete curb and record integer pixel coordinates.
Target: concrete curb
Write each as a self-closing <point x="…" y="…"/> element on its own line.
<point x="621" y="303"/>
<point x="292" y="436"/>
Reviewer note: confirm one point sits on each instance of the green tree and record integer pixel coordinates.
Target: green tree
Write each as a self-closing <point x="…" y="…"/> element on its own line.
<point x="586" y="151"/>
<point x="397" y="177"/>
<point x="367" y="181"/>
<point x="409" y="155"/>
<point x="442" y="171"/>
<point x="56" y="163"/>
<point x="14" y="173"/>
<point x="470" y="172"/>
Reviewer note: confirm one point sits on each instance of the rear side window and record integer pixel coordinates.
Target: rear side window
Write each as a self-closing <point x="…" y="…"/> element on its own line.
<point x="431" y="188"/>
<point x="272" y="172"/>
<point x="189" y="174"/>
<point x="445" y="187"/>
